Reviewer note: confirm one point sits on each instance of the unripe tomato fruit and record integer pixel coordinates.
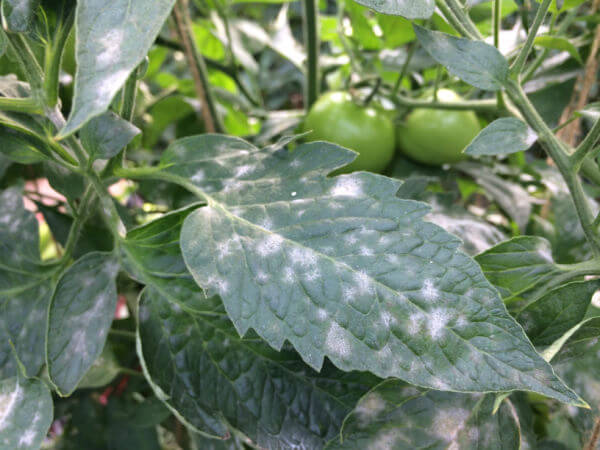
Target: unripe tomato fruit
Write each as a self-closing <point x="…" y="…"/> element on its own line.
<point x="436" y="136"/>
<point x="336" y="118"/>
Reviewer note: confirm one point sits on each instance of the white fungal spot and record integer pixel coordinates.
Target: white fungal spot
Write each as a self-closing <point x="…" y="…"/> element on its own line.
<point x="449" y="422"/>
<point x="321" y="314"/>
<point x="262" y="276"/>
<point x="293" y="194"/>
<point x="244" y="170"/>
<point x="366" y="251"/>
<point x="198" y="176"/>
<point x="288" y="275"/>
<point x="369" y="408"/>
<point x="336" y="341"/>
<point x="111" y="47"/>
<point x="347" y="186"/>
<point x="438" y="318"/>
<point x="271" y="244"/>
<point x="363" y="282"/>
<point x="351" y="239"/>
<point x="302" y="256"/>
<point x="385" y="440"/>
<point x="545" y="253"/>
<point x="386" y="318"/>
<point x="27" y="438"/>
<point x="429" y="291"/>
<point x="415" y="322"/>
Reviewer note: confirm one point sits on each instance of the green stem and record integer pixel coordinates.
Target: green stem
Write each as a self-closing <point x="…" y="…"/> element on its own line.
<point x="78" y="221"/>
<point x="519" y="63"/>
<point x="373" y="92"/>
<point x="453" y="20"/>
<point x="409" y="56"/>
<point x="459" y="11"/>
<point x="436" y="85"/>
<point x="586" y="146"/>
<point x="128" y="97"/>
<point x="465" y="105"/>
<point x="211" y="118"/>
<point x="53" y="57"/>
<point x="556" y="151"/>
<point x="25" y="57"/>
<point x="497" y="19"/>
<point x="311" y="39"/>
<point x="28" y="105"/>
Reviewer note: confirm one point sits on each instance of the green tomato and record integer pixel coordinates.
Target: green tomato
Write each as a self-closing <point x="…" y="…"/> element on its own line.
<point x="435" y="136"/>
<point x="336" y="118"/>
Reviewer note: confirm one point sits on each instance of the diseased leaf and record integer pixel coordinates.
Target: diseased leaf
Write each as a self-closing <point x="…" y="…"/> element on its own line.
<point x="25" y="286"/>
<point x="341" y="267"/>
<point x="502" y="137"/>
<point x="591" y="111"/>
<point x="80" y="315"/>
<point x="18" y="15"/>
<point x="296" y="396"/>
<point x="475" y="62"/>
<point x="104" y="136"/>
<point x="112" y="40"/>
<point x="25" y="413"/>
<point x="410" y="9"/>
<point x="549" y="317"/>
<point x="396" y="416"/>
<point x="201" y="368"/>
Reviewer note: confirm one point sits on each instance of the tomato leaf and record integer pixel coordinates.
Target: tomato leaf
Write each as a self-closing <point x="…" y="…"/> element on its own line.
<point x="341" y="267"/>
<point x="25" y="286"/>
<point x="80" y="315"/>
<point x="410" y="9"/>
<point x="475" y="62"/>
<point x="502" y="137"/>
<point x="559" y="43"/>
<point x="394" y="415"/>
<point x="18" y="15"/>
<point x="112" y="40"/>
<point x="26" y="413"/>
<point x="104" y="136"/>
<point x="546" y="319"/>
<point x="201" y="368"/>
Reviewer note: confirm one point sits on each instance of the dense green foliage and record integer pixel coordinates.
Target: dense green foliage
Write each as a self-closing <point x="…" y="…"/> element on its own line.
<point x="337" y="224"/>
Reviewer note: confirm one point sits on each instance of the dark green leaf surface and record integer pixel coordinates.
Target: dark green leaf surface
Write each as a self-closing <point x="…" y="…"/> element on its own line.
<point x="559" y="43"/>
<point x="200" y="366"/>
<point x="341" y="267"/>
<point x="548" y="318"/>
<point x="519" y="265"/>
<point x="502" y="137"/>
<point x="112" y="40"/>
<point x="396" y="416"/>
<point x="18" y="15"/>
<point x="411" y="9"/>
<point x="475" y="62"/>
<point x="104" y="136"/>
<point x="25" y="286"/>
<point x="25" y="413"/>
<point x="80" y="315"/>
<point x="582" y="340"/>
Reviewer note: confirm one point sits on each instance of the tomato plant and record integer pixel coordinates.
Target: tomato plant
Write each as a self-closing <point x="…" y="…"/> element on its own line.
<point x="180" y="269"/>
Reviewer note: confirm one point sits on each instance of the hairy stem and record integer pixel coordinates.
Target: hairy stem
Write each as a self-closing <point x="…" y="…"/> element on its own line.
<point x="519" y="63"/>
<point x="586" y="146"/>
<point x="459" y="11"/>
<point x="28" y="105"/>
<point x="311" y="39"/>
<point x="456" y="23"/>
<point x="78" y="221"/>
<point x="53" y="57"/>
<point x="197" y="67"/>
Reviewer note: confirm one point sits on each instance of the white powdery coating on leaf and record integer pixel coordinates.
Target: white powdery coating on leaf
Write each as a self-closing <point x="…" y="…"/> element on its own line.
<point x="336" y="341"/>
<point x="244" y="170"/>
<point x="7" y="402"/>
<point x="385" y="440"/>
<point x="321" y="314"/>
<point x="545" y="252"/>
<point x="27" y="438"/>
<point x="271" y="244"/>
<point x="363" y="282"/>
<point x="198" y="176"/>
<point x="111" y="51"/>
<point x="415" y="322"/>
<point x="429" y="291"/>
<point x="369" y="408"/>
<point x="347" y="186"/>
<point x="303" y="256"/>
<point x="448" y="423"/>
<point x="438" y="318"/>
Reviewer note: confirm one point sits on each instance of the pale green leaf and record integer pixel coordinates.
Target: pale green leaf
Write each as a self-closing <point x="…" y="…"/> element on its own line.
<point x="559" y="43"/>
<point x="591" y="111"/>
<point x="410" y="9"/>
<point x="475" y="62"/>
<point x="25" y="286"/>
<point x="396" y="416"/>
<point x="112" y="40"/>
<point x="549" y="317"/>
<point x="18" y="15"/>
<point x="104" y="136"/>
<point x="211" y="377"/>
<point x="341" y="267"/>
<point x="502" y="137"/>
<point x="103" y="371"/>
<point x="80" y="315"/>
<point x="25" y="413"/>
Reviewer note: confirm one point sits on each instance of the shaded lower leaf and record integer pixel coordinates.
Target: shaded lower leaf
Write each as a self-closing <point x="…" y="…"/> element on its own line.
<point x="549" y="317"/>
<point x="211" y="377"/>
<point x="502" y="137"/>
<point x="104" y="136"/>
<point x="80" y="315"/>
<point x="396" y="416"/>
<point x="103" y="370"/>
<point x="25" y="413"/>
